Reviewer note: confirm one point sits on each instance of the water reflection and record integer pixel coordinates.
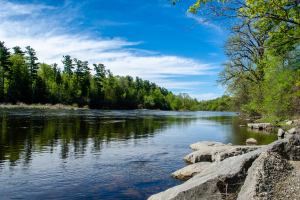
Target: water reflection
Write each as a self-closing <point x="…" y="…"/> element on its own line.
<point x="24" y="131"/>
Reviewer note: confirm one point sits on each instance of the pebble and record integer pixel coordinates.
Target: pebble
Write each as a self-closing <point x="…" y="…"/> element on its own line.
<point x="289" y="188"/>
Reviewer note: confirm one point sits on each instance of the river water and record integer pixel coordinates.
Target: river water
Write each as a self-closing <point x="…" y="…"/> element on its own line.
<point x="96" y="154"/>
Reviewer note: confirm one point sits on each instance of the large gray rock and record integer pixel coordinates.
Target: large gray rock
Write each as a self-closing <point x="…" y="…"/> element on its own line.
<point x="191" y="170"/>
<point x="280" y="132"/>
<point x="263" y="175"/>
<point x="251" y="141"/>
<point x="211" y="183"/>
<point x="289" y="122"/>
<point x="202" y="145"/>
<point x="292" y="148"/>
<point x="217" y="154"/>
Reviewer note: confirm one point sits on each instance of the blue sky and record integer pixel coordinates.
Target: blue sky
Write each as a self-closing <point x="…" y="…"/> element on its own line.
<point x="148" y="39"/>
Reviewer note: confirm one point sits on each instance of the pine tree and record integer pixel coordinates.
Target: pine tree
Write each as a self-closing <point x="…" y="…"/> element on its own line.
<point x="31" y="64"/>
<point x="17" y="50"/>
<point x="5" y="65"/>
<point x="68" y="65"/>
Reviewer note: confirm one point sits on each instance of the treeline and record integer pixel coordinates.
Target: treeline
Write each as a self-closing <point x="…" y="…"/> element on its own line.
<point x="23" y="79"/>
<point x="219" y="104"/>
<point x="262" y="74"/>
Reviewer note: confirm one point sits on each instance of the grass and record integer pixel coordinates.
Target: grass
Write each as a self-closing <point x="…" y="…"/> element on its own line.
<point x="280" y="121"/>
<point x="270" y="119"/>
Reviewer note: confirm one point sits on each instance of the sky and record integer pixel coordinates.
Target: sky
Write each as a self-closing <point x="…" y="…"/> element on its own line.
<point x="153" y="40"/>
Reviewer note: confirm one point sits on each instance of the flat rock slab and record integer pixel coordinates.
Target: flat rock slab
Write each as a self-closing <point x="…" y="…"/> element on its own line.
<point x="223" y="176"/>
<point x="259" y="125"/>
<point x="191" y="170"/>
<point x="202" y="145"/>
<point x="263" y="175"/>
<point x="217" y="154"/>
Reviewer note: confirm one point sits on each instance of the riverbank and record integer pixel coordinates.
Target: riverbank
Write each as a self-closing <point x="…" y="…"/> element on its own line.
<point x="282" y="122"/>
<point x="237" y="172"/>
<point x="42" y="106"/>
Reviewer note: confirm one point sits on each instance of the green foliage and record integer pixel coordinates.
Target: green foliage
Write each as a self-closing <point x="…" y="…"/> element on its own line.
<point x="220" y="104"/>
<point x="75" y="105"/>
<point x="17" y="50"/>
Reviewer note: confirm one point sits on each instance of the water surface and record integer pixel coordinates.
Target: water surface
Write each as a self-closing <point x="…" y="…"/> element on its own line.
<point x="94" y="154"/>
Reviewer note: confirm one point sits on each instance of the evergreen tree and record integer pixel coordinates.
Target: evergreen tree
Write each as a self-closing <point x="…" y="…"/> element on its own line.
<point x="79" y="69"/>
<point x="5" y="65"/>
<point x="17" y="50"/>
<point x="31" y="64"/>
<point x="68" y="65"/>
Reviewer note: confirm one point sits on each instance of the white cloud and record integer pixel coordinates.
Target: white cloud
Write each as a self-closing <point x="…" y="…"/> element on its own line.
<point x="8" y="9"/>
<point x="51" y="41"/>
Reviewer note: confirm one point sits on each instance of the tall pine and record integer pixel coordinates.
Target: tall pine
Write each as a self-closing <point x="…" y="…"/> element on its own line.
<point x="31" y="64"/>
<point x="4" y="66"/>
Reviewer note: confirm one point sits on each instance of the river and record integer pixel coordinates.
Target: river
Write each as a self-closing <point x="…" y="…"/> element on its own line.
<point x="96" y="154"/>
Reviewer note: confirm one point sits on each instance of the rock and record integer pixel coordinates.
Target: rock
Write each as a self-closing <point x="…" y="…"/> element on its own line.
<point x="211" y="182"/>
<point x="251" y="141"/>
<point x="294" y="130"/>
<point x="217" y="154"/>
<point x="258" y="125"/>
<point x="263" y="175"/>
<point x="202" y="145"/>
<point x="242" y="125"/>
<point x="191" y="170"/>
<point x="289" y="122"/>
<point x="280" y="132"/>
<point x="229" y="144"/>
<point x="292" y="148"/>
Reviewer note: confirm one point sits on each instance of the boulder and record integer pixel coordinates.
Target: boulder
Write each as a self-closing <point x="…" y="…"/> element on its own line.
<point x="263" y="175"/>
<point x="289" y="122"/>
<point x="217" y="154"/>
<point x="222" y="177"/>
<point x="292" y="148"/>
<point x="258" y="125"/>
<point x="280" y="132"/>
<point x="294" y="130"/>
<point x="191" y="170"/>
<point x="251" y="141"/>
<point x="229" y="144"/>
<point x="203" y="145"/>
<point x="242" y="125"/>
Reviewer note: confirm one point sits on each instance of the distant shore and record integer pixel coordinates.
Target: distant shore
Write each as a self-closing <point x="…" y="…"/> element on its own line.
<point x="41" y="106"/>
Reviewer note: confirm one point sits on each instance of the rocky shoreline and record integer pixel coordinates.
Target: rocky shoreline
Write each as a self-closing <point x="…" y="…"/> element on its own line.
<point x="220" y="171"/>
<point x="41" y="106"/>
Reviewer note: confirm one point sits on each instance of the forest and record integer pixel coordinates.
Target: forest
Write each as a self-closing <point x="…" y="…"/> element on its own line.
<point x="23" y="79"/>
<point x="261" y="75"/>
